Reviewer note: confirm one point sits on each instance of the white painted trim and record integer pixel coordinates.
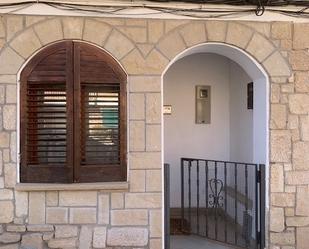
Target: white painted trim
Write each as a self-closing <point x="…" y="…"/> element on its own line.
<point x="18" y="104"/>
<point x="216" y="47"/>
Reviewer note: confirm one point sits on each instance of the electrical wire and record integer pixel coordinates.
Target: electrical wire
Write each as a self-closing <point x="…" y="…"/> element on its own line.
<point x="254" y="6"/>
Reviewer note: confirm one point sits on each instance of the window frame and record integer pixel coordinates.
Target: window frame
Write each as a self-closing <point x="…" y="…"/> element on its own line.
<point x="73" y="171"/>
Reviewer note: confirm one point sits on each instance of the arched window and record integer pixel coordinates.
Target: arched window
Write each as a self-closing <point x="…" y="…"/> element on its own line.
<point x="73" y="116"/>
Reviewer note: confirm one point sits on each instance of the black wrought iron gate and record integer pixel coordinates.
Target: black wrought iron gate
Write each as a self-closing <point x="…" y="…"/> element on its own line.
<point x="224" y="201"/>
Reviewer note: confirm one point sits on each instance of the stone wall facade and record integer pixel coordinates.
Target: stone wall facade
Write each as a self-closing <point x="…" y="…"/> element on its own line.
<point x="132" y="218"/>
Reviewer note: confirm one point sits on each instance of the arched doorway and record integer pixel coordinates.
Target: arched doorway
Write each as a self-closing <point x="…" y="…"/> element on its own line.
<point x="216" y="152"/>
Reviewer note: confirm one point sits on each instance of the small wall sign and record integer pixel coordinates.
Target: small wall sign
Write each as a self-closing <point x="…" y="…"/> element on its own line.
<point x="167" y="109"/>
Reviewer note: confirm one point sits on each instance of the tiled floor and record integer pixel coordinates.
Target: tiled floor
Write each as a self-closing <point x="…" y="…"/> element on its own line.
<point x="195" y="242"/>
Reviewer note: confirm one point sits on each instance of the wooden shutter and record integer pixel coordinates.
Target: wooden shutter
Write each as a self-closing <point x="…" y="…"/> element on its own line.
<point x="73" y="116"/>
<point x="46" y="125"/>
<point x="100" y="130"/>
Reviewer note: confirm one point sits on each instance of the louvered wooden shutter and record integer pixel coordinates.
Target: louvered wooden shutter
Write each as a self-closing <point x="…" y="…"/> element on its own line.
<point x="100" y="132"/>
<point x="46" y="106"/>
<point x="73" y="116"/>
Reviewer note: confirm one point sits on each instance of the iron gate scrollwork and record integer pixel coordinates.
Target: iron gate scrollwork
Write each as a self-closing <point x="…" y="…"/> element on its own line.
<point x="224" y="201"/>
<point x="216" y="186"/>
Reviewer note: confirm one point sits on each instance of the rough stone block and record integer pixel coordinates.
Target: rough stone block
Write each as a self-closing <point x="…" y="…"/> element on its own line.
<point x="155" y="244"/>
<point x="77" y="198"/>
<point x="137" y="180"/>
<point x="302" y="82"/>
<point x="9" y="117"/>
<point x="127" y="236"/>
<point x="145" y="160"/>
<point x="301" y="156"/>
<point x="85" y="237"/>
<point x="91" y="34"/>
<point x="280" y="146"/>
<point x="216" y="30"/>
<point x="36" y="207"/>
<point x="137" y="136"/>
<point x="99" y="237"/>
<point x="278" y="116"/>
<point x="118" y="44"/>
<point x="283" y="199"/>
<point x="277" y="219"/>
<point x="83" y="215"/>
<point x="299" y="60"/>
<point x="254" y="48"/>
<point x="155" y="223"/>
<point x="153" y="137"/>
<point x="136" y="64"/>
<point x="276" y="65"/>
<point x="7" y="212"/>
<point x="302" y="237"/>
<point x="171" y="45"/>
<point x="46" y="28"/>
<point x="10" y="62"/>
<point x="193" y="33"/>
<point x="57" y="215"/>
<point x="238" y="35"/>
<point x="73" y="27"/>
<point x="137" y="106"/>
<point x="297" y="177"/>
<point x="143" y="200"/>
<point x="33" y="240"/>
<point x="136" y="34"/>
<point x="66" y="231"/>
<point x="26" y="43"/>
<point x="9" y="175"/>
<point x="6" y="194"/>
<point x="129" y="218"/>
<point x="297" y="221"/>
<point x="281" y="30"/>
<point x="14" y="24"/>
<point x="275" y="93"/>
<point x="117" y="200"/>
<point x="276" y="178"/>
<point x="302" y="201"/>
<point x="145" y="83"/>
<point x="52" y="198"/>
<point x="103" y="209"/>
<point x="305" y="128"/>
<point x="10" y="246"/>
<point x="40" y="228"/>
<point x="155" y="30"/>
<point x="4" y="140"/>
<point x="16" y="228"/>
<point x="301" y="39"/>
<point x="299" y="103"/>
<point x="9" y="237"/>
<point x="153" y="180"/>
<point x="283" y="238"/>
<point x="63" y="243"/>
<point x="2" y="94"/>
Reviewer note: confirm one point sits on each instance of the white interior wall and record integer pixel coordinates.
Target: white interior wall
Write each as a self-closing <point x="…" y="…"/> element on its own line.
<point x="182" y="137"/>
<point x="241" y="118"/>
<point x="218" y="140"/>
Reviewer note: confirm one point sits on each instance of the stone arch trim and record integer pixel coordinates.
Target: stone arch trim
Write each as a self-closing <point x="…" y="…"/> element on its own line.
<point x="143" y="56"/>
<point x="236" y="34"/>
<point x="35" y="37"/>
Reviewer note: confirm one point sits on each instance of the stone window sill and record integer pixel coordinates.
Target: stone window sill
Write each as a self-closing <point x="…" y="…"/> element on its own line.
<point x="112" y="186"/>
